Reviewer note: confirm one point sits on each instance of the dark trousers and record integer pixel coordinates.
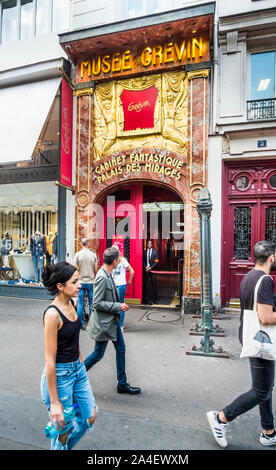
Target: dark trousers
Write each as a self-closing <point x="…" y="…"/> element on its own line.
<point x="98" y="354"/>
<point x="149" y="277"/>
<point x="262" y="373"/>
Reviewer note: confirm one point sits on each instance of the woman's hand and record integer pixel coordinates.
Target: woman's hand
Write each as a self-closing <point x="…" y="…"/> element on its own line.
<point x="56" y="414"/>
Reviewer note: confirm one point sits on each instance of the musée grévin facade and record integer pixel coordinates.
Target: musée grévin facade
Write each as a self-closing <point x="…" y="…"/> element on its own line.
<point x="142" y="112"/>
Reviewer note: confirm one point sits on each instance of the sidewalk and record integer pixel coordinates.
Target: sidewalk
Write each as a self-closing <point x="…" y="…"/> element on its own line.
<point x="177" y="389"/>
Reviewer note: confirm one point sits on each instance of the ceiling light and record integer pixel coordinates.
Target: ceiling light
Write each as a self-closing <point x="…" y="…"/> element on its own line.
<point x="264" y="83"/>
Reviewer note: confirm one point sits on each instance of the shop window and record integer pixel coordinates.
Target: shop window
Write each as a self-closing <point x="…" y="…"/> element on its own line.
<point x="28" y="211"/>
<point x="262" y="96"/>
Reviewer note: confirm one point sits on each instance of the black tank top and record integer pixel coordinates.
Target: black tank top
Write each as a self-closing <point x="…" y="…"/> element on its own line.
<point x="67" y="339"/>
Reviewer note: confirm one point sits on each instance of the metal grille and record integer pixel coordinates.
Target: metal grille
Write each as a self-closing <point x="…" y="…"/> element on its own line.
<point x="122" y="227"/>
<point x="270" y="224"/>
<point x="261" y="109"/>
<point x="242" y="232"/>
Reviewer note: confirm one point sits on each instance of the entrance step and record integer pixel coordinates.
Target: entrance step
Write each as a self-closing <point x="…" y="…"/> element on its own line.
<point x="234" y="303"/>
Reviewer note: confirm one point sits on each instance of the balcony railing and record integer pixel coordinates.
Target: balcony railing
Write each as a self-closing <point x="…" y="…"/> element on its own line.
<point x="258" y="110"/>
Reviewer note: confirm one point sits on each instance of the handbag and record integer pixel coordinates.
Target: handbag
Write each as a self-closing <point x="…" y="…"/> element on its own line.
<point x="258" y="340"/>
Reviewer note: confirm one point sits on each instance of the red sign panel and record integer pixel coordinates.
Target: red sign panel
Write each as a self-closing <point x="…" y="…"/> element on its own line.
<point x="66" y="134"/>
<point x="139" y="108"/>
<point x="119" y="241"/>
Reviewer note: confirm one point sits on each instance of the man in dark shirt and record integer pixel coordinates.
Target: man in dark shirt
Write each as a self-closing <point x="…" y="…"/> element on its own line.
<point x="262" y="371"/>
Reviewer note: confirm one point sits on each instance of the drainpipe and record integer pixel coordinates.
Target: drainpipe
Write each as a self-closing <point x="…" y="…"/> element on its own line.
<point x="215" y="74"/>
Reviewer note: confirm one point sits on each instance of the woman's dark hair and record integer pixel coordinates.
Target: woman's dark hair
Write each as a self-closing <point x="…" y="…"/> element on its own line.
<point x="55" y="274"/>
<point x="263" y="250"/>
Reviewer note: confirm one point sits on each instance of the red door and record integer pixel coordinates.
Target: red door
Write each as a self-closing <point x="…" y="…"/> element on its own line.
<point x="249" y="215"/>
<point x="122" y="224"/>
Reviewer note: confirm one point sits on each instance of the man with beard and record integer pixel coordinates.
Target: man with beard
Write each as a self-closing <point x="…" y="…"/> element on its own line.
<point x="262" y="371"/>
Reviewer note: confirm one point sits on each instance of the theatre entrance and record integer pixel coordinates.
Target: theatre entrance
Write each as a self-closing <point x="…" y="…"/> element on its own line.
<point x="133" y="215"/>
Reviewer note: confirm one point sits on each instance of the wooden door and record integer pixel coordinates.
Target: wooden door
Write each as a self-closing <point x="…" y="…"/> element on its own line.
<point x="249" y="215"/>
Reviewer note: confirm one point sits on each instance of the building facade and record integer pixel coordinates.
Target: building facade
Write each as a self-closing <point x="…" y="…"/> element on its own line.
<point x="142" y="88"/>
<point x="34" y="211"/>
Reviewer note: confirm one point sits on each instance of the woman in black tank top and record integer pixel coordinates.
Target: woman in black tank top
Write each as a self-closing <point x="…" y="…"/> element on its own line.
<point x="64" y="380"/>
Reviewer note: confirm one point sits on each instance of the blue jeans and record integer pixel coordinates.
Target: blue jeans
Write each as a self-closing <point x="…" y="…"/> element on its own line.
<point x="73" y="387"/>
<point x="89" y="289"/>
<point x="98" y="354"/>
<point x="122" y="292"/>
<point x="39" y="259"/>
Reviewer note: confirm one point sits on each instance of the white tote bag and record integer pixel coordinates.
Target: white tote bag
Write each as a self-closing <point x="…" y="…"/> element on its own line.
<point x="258" y="340"/>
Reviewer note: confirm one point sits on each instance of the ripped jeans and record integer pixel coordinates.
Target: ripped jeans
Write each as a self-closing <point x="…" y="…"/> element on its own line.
<point x="73" y="387"/>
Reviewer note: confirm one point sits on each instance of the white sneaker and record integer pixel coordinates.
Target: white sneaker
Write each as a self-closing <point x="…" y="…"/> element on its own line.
<point x="265" y="440"/>
<point x="218" y="429"/>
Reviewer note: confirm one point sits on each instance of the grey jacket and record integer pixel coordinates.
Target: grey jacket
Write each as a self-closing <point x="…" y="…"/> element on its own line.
<point x="102" y="325"/>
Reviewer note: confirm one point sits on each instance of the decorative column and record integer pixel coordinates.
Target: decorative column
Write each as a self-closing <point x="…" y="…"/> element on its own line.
<point x="204" y="208"/>
<point x="83" y="162"/>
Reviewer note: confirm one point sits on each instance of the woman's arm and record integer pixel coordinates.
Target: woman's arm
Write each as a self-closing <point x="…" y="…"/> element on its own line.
<point x="51" y="323"/>
<point x="131" y="274"/>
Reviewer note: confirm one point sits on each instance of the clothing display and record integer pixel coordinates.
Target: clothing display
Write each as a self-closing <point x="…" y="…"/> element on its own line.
<point x="49" y="247"/>
<point x="38" y="249"/>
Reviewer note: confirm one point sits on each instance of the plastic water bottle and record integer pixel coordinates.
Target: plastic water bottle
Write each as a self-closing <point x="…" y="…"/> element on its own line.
<point x="69" y="413"/>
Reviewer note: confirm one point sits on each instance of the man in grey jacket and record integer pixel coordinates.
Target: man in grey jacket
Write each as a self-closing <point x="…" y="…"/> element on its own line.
<point x="104" y="323"/>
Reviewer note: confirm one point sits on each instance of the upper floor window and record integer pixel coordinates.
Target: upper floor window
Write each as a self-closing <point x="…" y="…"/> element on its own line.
<point x="262" y="104"/>
<point x="143" y="7"/>
<point x="23" y="19"/>
<point x="263" y="75"/>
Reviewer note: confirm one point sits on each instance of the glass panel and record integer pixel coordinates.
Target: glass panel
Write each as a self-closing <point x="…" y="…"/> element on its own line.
<point x="47" y="148"/>
<point x="153" y="6"/>
<point x="42" y="15"/>
<point x="242" y="232"/>
<point x="242" y="183"/>
<point x="26" y="208"/>
<point x="26" y="24"/>
<point x="270" y="224"/>
<point x="61" y="15"/>
<point x="9" y="22"/>
<point x="120" y="236"/>
<point x="263" y="75"/>
<point x="135" y="8"/>
<point x="272" y="181"/>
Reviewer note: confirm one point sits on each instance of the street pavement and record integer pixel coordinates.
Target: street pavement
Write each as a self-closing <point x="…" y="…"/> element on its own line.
<point x="177" y="389"/>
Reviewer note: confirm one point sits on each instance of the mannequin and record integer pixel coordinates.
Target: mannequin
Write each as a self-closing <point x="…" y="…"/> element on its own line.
<point x="38" y="249"/>
<point x="6" y="247"/>
<point x="49" y="247"/>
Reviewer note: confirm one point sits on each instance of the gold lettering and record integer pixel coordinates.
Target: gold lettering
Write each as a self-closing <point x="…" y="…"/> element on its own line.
<point x="116" y="63"/>
<point x="99" y="179"/>
<point x="126" y="61"/>
<point x="105" y="64"/>
<point x="168" y="49"/>
<point x="180" y="51"/>
<point x="98" y="70"/>
<point x="86" y="64"/>
<point x="157" y="51"/>
<point x="196" y="43"/>
<point x="146" y="57"/>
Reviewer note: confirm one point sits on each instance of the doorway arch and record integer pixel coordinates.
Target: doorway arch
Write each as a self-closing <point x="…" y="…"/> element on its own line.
<point x="134" y="212"/>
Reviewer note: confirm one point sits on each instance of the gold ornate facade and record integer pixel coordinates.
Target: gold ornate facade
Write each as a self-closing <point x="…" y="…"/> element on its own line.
<point x="170" y="115"/>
